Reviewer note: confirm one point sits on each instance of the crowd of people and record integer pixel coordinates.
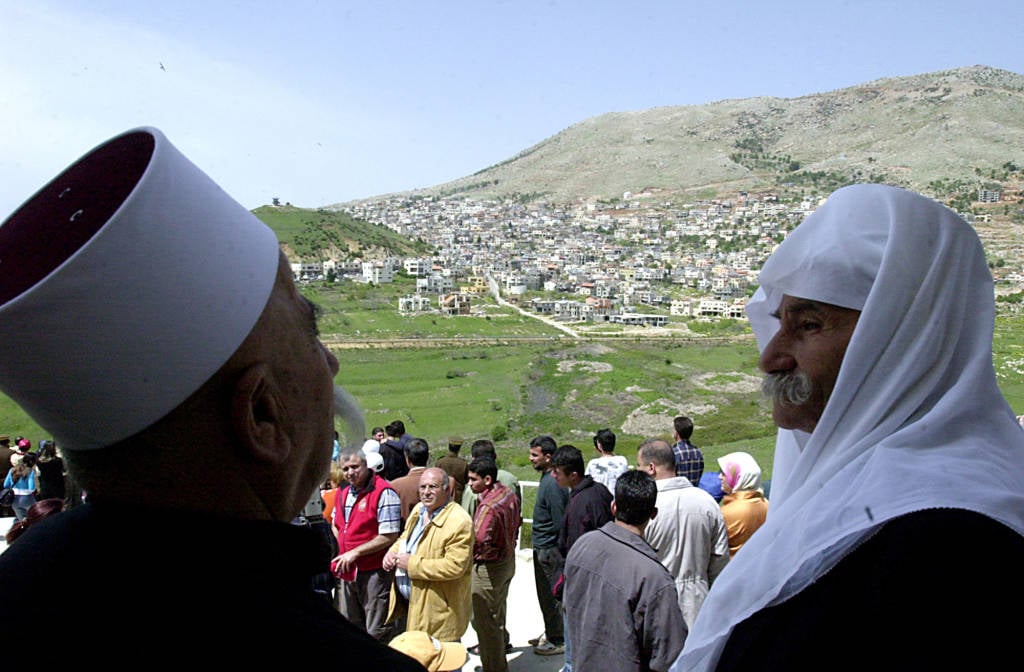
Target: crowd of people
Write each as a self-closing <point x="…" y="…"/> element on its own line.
<point x="199" y="405"/>
<point x="414" y="556"/>
<point x="36" y="482"/>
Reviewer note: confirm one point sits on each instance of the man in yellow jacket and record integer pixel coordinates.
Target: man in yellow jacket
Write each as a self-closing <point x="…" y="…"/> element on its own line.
<point x="433" y="559"/>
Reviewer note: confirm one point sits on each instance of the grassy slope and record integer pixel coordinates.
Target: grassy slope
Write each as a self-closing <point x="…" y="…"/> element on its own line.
<point x="309" y="233"/>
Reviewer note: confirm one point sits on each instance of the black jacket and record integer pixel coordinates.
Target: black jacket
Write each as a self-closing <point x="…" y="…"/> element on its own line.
<point x="932" y="590"/>
<point x="103" y="584"/>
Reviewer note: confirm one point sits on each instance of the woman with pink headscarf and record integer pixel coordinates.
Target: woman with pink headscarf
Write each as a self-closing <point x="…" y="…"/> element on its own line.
<point x="743" y="506"/>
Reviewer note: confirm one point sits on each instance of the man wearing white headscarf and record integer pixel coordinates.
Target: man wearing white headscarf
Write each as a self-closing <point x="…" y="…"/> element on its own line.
<point x="895" y="533"/>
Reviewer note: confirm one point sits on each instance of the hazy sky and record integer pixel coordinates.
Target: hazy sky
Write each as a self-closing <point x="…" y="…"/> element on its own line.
<point x="322" y="102"/>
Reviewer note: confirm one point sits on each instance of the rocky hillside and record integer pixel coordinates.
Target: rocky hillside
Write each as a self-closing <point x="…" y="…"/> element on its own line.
<point x="954" y="125"/>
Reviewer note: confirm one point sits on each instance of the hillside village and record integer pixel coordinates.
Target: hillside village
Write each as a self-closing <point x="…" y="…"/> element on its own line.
<point x="665" y="215"/>
<point x="634" y="261"/>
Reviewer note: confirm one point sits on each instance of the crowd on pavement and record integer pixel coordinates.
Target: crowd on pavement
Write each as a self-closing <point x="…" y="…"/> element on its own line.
<point x="415" y="557"/>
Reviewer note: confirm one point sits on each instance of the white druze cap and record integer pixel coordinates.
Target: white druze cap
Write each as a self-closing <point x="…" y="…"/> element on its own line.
<point x="374" y="462"/>
<point x="125" y="284"/>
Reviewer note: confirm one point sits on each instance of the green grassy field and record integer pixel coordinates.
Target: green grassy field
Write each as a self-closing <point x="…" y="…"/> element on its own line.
<point x="514" y="391"/>
<point x="510" y="393"/>
<point x="547" y="383"/>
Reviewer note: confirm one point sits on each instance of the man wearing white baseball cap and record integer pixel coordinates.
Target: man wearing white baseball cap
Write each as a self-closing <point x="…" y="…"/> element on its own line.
<point x="178" y="367"/>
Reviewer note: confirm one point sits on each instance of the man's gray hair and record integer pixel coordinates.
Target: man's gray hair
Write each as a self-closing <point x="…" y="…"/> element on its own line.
<point x="658" y="453"/>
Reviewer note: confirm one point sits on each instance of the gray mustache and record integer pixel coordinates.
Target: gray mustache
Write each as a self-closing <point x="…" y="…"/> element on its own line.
<point x="790" y="389"/>
<point x="346" y="408"/>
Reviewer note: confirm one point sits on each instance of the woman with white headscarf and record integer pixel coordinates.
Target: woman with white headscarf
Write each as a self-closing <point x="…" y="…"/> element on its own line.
<point x="743" y="506"/>
<point x="895" y="534"/>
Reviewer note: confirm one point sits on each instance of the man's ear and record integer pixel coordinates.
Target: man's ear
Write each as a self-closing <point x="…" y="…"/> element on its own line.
<point x="258" y="417"/>
<point x="615" y="510"/>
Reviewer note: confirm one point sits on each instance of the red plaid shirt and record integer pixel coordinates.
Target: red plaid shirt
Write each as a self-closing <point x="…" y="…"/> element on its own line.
<point x="496" y="524"/>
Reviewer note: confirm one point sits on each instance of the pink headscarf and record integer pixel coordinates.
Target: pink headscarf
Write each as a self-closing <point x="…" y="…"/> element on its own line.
<point x="741" y="471"/>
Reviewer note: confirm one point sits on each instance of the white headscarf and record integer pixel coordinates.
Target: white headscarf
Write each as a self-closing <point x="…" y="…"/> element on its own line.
<point x="915" y="416"/>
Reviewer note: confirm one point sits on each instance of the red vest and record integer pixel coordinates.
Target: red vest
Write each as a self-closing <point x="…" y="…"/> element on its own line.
<point x="361" y="525"/>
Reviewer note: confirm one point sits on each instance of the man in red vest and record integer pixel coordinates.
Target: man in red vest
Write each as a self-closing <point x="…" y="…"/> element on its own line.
<point x="368" y="517"/>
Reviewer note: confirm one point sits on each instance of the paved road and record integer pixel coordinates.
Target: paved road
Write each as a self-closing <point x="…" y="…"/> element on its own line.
<point x="524" y="618"/>
<point x="524" y="622"/>
<point x="496" y="293"/>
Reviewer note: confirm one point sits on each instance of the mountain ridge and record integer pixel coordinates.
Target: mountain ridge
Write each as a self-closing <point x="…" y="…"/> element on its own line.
<point x="949" y="125"/>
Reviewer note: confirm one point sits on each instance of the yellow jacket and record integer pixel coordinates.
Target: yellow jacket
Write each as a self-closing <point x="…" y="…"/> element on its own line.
<point x="744" y="512"/>
<point x="440" y="571"/>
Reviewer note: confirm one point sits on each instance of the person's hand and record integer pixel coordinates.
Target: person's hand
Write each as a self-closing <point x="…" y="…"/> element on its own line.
<point x="344" y="562"/>
<point x="402" y="560"/>
<point x="390" y="561"/>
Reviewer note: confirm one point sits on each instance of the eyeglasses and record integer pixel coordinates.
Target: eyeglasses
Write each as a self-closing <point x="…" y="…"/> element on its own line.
<point x="430" y="486"/>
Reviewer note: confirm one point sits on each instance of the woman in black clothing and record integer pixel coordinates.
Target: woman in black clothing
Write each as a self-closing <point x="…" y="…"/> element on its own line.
<point x="51" y="471"/>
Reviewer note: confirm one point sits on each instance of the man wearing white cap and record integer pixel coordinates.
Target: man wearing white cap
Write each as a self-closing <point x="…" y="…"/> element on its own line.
<point x="895" y="535"/>
<point x="173" y="359"/>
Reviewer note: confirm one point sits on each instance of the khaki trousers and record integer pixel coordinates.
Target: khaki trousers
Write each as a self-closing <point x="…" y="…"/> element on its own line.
<point x="490" y="590"/>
